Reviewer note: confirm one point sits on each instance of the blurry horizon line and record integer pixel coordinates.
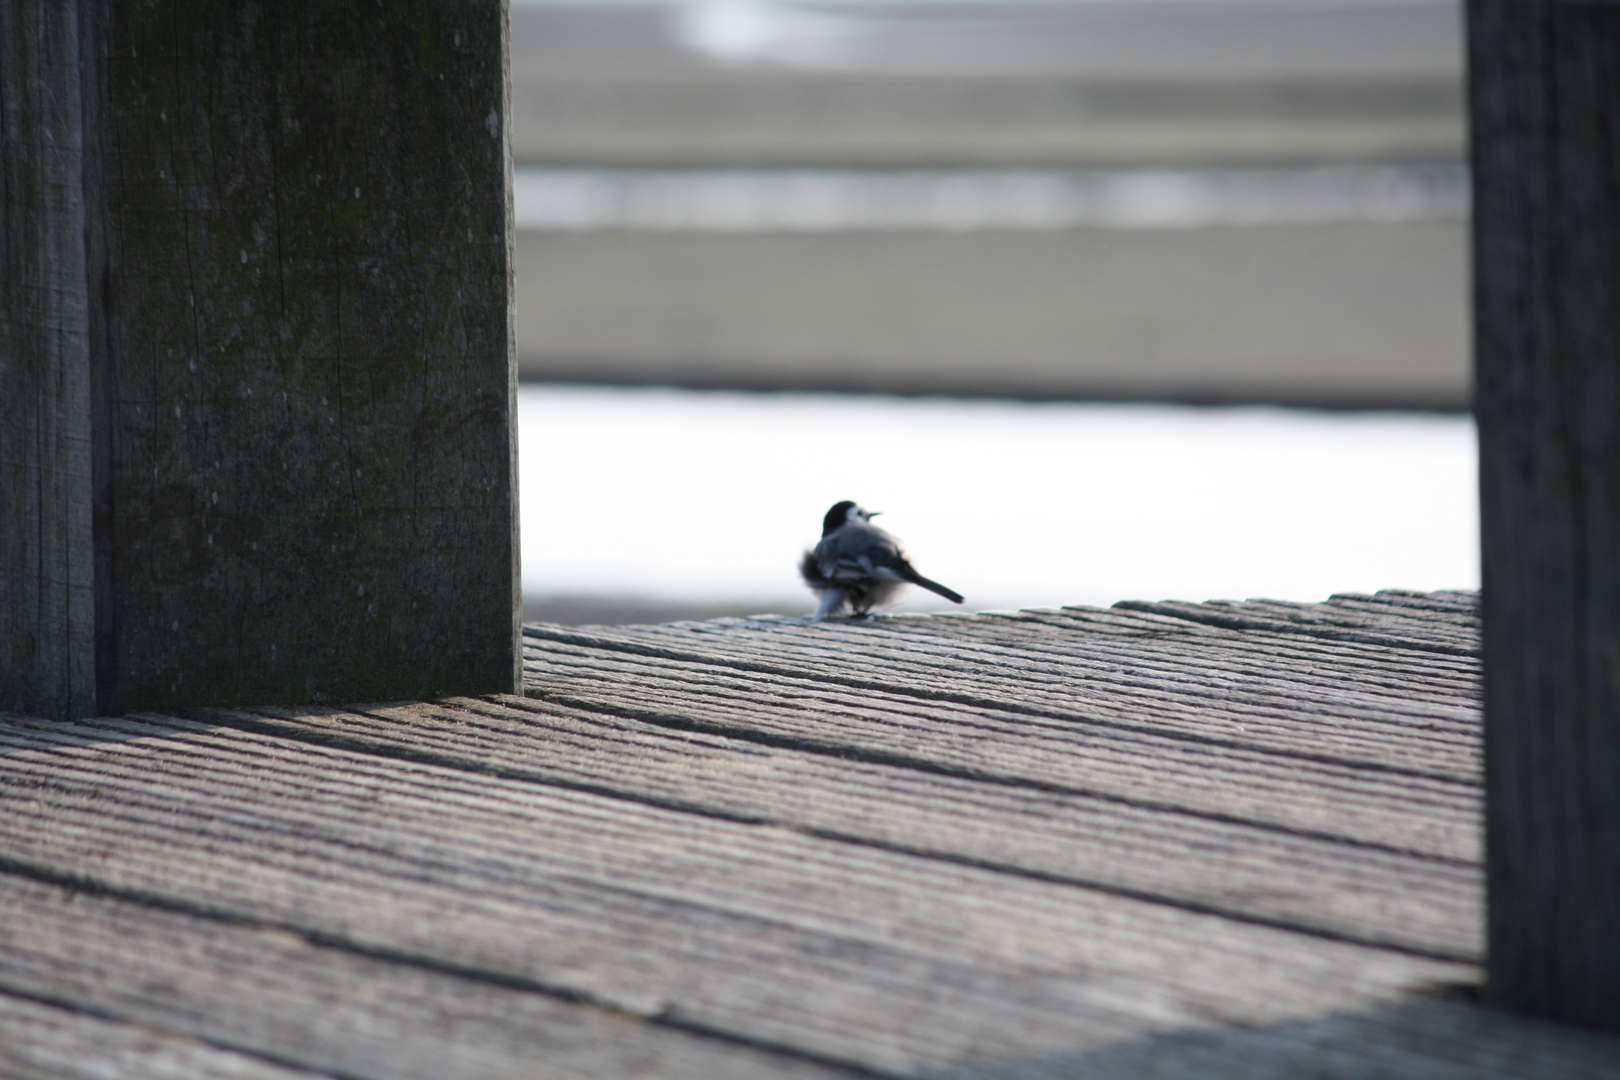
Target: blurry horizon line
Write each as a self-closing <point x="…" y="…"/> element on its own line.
<point x="1327" y="404"/>
<point x="970" y="3"/>
<point x="828" y="200"/>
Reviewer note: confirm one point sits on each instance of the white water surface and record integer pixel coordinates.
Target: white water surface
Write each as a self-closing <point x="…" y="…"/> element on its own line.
<point x="712" y="496"/>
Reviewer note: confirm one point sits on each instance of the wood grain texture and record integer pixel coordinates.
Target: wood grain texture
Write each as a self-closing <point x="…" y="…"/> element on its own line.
<point x="850" y="953"/>
<point x="39" y="1041"/>
<point x="1214" y="711"/>
<point x="1086" y="755"/>
<point x="1545" y="94"/>
<point x="256" y="360"/>
<point x="735" y="849"/>
<point x="252" y="995"/>
<point x="47" y="612"/>
<point x="309" y="373"/>
<point x="1318" y="737"/>
<point x="1222" y="864"/>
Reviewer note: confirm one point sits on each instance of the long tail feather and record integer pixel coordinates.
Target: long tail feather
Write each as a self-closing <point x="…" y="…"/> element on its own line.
<point x="935" y="587"/>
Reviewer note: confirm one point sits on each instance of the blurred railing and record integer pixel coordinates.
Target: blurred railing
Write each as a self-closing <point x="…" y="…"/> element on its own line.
<point x="1158" y="199"/>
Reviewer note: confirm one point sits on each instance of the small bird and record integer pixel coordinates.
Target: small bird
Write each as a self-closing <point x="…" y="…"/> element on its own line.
<point x="858" y="564"/>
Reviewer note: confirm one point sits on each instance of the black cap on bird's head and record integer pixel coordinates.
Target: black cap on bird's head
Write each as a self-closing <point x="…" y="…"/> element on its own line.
<point x="839" y="516"/>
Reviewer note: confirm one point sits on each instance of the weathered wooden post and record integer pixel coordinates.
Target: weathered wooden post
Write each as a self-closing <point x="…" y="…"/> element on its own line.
<point x="256" y="364"/>
<point x="1545" y="99"/>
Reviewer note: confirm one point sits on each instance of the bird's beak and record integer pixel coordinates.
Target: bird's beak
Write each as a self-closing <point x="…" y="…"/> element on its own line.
<point x="873" y="513"/>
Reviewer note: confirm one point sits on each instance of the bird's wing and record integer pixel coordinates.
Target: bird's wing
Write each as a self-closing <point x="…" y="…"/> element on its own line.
<point x="859" y="554"/>
<point x="854" y="552"/>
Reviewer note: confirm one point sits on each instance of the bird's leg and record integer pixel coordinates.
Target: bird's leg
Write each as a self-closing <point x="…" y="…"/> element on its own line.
<point x="831" y="599"/>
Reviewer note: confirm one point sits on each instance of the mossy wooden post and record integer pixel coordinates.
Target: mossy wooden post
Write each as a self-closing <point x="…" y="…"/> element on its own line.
<point x="1545" y="98"/>
<point x="257" y="388"/>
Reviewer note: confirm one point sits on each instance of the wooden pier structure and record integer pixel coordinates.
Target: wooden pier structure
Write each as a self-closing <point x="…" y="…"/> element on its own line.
<point x="257" y="464"/>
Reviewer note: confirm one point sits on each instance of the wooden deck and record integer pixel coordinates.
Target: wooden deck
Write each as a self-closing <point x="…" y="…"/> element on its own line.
<point x="1159" y="840"/>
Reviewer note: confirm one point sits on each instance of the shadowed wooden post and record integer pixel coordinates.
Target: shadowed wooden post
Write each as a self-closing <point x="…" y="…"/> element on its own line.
<point x="259" y="391"/>
<point x="1545" y="98"/>
<point x="47" y="615"/>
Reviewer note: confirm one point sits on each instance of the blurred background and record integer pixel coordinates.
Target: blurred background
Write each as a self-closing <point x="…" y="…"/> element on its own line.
<point x="1095" y="298"/>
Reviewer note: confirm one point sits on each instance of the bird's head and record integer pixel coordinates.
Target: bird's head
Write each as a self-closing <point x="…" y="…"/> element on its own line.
<point x="842" y="513"/>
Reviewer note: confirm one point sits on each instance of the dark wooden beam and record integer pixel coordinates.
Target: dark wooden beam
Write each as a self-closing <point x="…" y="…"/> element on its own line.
<point x="274" y="355"/>
<point x="47" y="615"/>
<point x="1545" y="99"/>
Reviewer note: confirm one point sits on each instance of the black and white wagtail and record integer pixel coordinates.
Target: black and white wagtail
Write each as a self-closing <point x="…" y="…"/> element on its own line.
<point x="858" y="564"/>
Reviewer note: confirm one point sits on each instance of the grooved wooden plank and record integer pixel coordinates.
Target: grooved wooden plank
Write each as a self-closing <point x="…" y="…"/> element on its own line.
<point x="1310" y="883"/>
<point x="1420" y="630"/>
<point x="1442" y="602"/>
<point x="1291" y="672"/>
<point x="45" y="1042"/>
<point x="960" y="639"/>
<point x="1432" y="616"/>
<point x="726" y="842"/>
<point x="1459" y="609"/>
<point x="249" y="985"/>
<point x="889" y="960"/>
<point x="262" y="995"/>
<point x="1270" y="618"/>
<point x="1135" y="689"/>
<point x="1187" y="695"/>
<point x="1249" y="638"/>
<point x="1070" y="630"/>
<point x="1130" y="761"/>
